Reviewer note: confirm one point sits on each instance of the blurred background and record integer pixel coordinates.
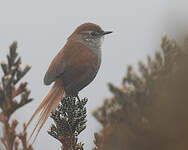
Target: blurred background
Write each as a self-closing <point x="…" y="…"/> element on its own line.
<point x="42" y="27"/>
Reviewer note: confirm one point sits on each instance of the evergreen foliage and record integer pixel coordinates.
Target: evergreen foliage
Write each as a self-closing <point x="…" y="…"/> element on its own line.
<point x="12" y="97"/>
<point x="70" y="121"/>
<point x="149" y="110"/>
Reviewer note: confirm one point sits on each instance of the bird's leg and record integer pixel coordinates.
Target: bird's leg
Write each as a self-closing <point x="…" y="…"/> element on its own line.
<point x="78" y="98"/>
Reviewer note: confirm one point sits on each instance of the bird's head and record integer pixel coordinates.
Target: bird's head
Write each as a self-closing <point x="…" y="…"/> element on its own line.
<point x="90" y="35"/>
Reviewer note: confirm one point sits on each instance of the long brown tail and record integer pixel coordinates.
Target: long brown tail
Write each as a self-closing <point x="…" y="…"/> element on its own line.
<point x="48" y="104"/>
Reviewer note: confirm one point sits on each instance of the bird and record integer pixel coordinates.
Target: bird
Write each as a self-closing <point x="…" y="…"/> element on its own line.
<point x="73" y="68"/>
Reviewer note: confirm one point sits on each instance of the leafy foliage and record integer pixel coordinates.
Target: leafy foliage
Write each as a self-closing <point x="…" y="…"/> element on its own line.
<point x="10" y="91"/>
<point x="70" y="121"/>
<point x="149" y="110"/>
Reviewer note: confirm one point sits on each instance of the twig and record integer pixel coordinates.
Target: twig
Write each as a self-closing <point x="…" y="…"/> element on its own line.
<point x="8" y="104"/>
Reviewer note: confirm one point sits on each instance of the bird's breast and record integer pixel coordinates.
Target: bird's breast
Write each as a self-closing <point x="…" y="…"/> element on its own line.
<point x="81" y="69"/>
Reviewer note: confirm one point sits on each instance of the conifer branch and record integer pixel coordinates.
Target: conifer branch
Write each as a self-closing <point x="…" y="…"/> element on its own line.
<point x="149" y="110"/>
<point x="9" y="103"/>
<point x="70" y="121"/>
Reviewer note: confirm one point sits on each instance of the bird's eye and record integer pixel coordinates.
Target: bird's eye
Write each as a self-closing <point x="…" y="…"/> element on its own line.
<point x="93" y="33"/>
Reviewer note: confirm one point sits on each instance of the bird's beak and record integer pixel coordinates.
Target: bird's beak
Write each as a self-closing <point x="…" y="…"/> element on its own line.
<point x="106" y="32"/>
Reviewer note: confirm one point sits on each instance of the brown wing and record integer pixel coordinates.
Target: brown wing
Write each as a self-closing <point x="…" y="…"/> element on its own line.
<point x="55" y="69"/>
<point x="81" y="68"/>
<point x="71" y="61"/>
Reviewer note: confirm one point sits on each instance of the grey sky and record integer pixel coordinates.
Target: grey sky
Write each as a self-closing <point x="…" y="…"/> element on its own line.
<point x="42" y="27"/>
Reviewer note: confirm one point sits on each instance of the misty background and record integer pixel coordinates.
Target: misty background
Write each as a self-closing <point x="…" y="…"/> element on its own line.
<point x="42" y="27"/>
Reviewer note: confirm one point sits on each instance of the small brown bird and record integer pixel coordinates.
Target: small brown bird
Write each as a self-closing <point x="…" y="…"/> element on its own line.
<point x="72" y="69"/>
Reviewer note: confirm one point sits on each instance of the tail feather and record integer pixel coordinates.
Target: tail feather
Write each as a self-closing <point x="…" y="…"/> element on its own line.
<point x="39" y="108"/>
<point x="49" y="103"/>
<point x="44" y="109"/>
<point x="49" y="109"/>
<point x="41" y="122"/>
